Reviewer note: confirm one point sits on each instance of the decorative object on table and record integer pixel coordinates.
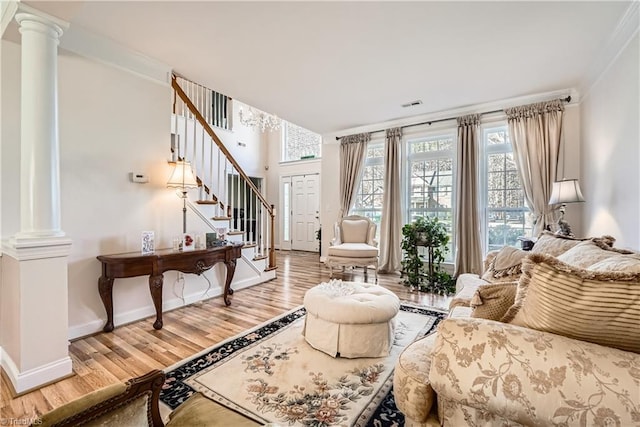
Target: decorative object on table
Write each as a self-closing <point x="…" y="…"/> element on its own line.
<point x="222" y="232"/>
<point x="563" y="192"/>
<point x="188" y="242"/>
<point x="431" y="234"/>
<point x="183" y="179"/>
<point x="270" y="374"/>
<point x="148" y="242"/>
<point x="210" y="239"/>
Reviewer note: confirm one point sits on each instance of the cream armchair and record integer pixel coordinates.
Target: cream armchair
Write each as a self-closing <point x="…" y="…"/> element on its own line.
<point x="354" y="244"/>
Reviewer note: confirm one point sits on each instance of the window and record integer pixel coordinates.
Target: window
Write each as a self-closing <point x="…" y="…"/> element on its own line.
<point x="505" y="209"/>
<point x="219" y="114"/>
<point x="299" y="143"/>
<point x="431" y="180"/>
<point x="369" y="196"/>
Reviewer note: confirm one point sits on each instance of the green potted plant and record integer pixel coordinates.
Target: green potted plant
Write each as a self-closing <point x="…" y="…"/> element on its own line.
<point x="431" y="234"/>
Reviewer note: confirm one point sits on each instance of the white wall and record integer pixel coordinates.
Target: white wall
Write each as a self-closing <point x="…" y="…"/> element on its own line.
<point x="611" y="146"/>
<point x="111" y="123"/>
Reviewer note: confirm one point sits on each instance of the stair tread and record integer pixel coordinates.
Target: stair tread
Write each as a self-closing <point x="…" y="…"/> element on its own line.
<point x="235" y="233"/>
<point x="249" y="245"/>
<point x="207" y="202"/>
<point x="221" y="218"/>
<point x="259" y="257"/>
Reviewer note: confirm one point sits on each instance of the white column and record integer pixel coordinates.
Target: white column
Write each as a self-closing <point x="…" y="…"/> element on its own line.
<point x="34" y="321"/>
<point x="39" y="162"/>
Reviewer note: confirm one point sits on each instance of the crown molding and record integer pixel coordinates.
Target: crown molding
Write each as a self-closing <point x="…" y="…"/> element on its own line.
<point x="85" y="43"/>
<point x="460" y="111"/>
<point x="625" y="31"/>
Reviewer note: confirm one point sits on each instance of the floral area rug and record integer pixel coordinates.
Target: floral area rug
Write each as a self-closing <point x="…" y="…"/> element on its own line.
<point x="272" y="375"/>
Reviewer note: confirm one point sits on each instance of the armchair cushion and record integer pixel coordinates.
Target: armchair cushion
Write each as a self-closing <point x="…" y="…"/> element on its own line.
<point x="353" y="250"/>
<point x="355" y="230"/>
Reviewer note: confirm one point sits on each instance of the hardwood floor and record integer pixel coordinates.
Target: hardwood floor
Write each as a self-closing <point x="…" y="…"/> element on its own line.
<point x="134" y="349"/>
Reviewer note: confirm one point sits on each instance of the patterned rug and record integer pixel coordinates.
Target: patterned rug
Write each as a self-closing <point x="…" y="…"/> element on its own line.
<point x="271" y="374"/>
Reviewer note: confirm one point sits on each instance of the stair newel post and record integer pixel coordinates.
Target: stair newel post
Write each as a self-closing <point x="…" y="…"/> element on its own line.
<point x="272" y="248"/>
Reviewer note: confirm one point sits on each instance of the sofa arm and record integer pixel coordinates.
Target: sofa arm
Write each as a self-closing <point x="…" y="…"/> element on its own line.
<point x="533" y="377"/>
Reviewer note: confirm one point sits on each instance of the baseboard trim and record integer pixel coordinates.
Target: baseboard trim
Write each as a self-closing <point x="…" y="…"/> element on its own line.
<point x="31" y="379"/>
<point x="95" y="326"/>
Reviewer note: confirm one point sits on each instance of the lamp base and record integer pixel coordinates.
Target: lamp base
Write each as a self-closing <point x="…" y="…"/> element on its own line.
<point x="564" y="229"/>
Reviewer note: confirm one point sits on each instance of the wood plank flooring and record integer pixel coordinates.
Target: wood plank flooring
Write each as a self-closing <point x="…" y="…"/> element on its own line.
<point x="134" y="349"/>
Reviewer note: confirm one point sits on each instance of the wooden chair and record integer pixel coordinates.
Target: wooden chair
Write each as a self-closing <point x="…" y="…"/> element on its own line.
<point x="136" y="403"/>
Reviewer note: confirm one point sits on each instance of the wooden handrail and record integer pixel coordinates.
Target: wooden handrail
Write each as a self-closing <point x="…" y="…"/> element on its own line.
<point x="205" y="125"/>
<point x="221" y="146"/>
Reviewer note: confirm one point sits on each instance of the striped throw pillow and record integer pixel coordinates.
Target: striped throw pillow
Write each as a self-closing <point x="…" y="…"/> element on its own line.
<point x="599" y="307"/>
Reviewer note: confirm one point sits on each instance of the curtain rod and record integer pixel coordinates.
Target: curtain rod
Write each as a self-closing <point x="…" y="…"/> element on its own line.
<point x="567" y="100"/>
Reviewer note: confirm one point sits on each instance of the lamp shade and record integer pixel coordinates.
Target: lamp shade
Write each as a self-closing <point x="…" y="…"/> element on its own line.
<point x="566" y="191"/>
<point x="182" y="176"/>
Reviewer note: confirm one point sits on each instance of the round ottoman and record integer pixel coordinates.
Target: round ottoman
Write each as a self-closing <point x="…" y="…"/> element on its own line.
<point x="350" y="319"/>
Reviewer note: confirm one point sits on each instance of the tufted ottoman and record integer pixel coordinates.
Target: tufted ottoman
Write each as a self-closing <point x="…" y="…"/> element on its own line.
<point x="350" y="319"/>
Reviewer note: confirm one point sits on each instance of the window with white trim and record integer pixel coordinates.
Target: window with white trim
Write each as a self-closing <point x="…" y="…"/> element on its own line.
<point x="299" y="143"/>
<point x="431" y="168"/>
<point x="368" y="201"/>
<point x="505" y="209"/>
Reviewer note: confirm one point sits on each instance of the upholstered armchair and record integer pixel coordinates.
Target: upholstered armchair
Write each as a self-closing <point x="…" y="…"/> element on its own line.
<point x="354" y="244"/>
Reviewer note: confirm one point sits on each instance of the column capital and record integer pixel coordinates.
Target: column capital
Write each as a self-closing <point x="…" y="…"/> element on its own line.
<point x="34" y="22"/>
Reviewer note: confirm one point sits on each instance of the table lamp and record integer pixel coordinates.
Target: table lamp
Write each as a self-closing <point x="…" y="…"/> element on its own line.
<point x="563" y="192"/>
<point x="183" y="178"/>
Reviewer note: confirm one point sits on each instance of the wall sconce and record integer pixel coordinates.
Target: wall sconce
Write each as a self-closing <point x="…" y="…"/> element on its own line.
<point x="183" y="178"/>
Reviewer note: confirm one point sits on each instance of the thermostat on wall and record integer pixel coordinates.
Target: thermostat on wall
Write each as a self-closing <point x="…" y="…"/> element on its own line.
<point x="140" y="178"/>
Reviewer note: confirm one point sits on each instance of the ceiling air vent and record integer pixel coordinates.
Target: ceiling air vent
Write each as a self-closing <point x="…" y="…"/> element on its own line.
<point x="412" y="103"/>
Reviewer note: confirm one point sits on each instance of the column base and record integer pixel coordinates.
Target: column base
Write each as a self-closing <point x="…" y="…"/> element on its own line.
<point x="24" y="382"/>
<point x="34" y="320"/>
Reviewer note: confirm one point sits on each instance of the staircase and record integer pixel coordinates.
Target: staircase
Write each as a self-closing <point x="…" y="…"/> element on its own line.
<point x="227" y="197"/>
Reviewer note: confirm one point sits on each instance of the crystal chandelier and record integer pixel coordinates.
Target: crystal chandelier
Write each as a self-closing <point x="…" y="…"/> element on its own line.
<point x="258" y="118"/>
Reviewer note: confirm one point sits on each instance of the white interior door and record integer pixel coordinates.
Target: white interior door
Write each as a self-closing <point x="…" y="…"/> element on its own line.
<point x="305" y="212"/>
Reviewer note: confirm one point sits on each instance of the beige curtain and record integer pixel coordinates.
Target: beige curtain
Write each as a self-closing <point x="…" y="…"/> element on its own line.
<point x="468" y="248"/>
<point x="391" y="223"/>
<point x="353" y="149"/>
<point x="535" y="132"/>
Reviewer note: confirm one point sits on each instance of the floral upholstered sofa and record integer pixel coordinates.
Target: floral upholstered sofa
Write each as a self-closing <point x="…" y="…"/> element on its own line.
<point x="564" y="349"/>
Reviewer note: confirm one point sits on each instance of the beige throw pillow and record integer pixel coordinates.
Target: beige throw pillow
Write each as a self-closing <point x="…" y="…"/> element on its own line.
<point x="585" y="254"/>
<point x="603" y="308"/>
<point x="505" y="266"/>
<point x="492" y="301"/>
<point x="554" y="244"/>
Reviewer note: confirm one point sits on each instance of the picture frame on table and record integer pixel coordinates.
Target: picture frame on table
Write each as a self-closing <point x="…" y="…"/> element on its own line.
<point x="148" y="244"/>
<point x="188" y="242"/>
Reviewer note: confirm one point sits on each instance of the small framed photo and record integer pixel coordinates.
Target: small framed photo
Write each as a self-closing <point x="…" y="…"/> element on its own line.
<point x="211" y="239"/>
<point x="188" y="242"/>
<point x="148" y="242"/>
<point x="222" y="232"/>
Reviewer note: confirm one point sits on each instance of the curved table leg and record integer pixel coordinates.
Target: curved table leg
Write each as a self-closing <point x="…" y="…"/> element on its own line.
<point x="105" y="287"/>
<point x="155" y="287"/>
<point x="231" y="269"/>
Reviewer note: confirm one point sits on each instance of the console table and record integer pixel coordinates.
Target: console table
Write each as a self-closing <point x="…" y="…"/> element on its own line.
<point x="135" y="264"/>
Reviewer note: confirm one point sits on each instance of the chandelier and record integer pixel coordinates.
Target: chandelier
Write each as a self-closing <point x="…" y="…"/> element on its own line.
<point x="258" y="118"/>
